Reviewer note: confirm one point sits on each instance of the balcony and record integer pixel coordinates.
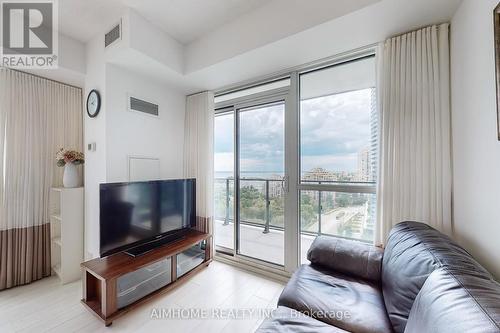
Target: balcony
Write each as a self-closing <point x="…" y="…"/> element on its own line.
<point x="259" y="245"/>
<point x="346" y="215"/>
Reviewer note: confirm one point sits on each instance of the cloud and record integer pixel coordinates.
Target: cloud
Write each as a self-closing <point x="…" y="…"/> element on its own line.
<point x="223" y="162"/>
<point x="224" y="134"/>
<point x="262" y="139"/>
<point x="333" y="130"/>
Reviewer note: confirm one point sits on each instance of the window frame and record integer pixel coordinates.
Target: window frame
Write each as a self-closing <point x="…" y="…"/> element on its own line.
<point x="292" y="133"/>
<point x="367" y="187"/>
<point x="345" y="187"/>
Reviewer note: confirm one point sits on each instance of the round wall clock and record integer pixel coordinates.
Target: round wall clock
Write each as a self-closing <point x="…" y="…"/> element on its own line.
<point x="93" y="103"/>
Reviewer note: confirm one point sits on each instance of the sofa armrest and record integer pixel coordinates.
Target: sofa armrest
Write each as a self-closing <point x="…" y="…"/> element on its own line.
<point x="345" y="256"/>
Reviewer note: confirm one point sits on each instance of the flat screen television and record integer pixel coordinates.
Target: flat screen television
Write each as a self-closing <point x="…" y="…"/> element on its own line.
<point x="136" y="213"/>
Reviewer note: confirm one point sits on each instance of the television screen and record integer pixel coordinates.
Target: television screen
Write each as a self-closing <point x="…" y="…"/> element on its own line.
<point x="134" y="213"/>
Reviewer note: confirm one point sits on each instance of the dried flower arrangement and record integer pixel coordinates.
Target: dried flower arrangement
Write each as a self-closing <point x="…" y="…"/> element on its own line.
<point x="64" y="156"/>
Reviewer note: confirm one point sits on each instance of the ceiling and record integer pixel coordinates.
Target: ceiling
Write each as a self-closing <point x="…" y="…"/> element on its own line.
<point x="83" y="19"/>
<point x="184" y="20"/>
<point x="245" y="39"/>
<point x="187" y="20"/>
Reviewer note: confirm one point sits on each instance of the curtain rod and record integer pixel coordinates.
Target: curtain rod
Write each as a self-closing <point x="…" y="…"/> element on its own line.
<point x="420" y="28"/>
<point x="197" y="93"/>
<point x="41" y="77"/>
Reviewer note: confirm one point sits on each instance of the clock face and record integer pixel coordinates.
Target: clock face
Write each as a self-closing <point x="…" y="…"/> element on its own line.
<point x="93" y="103"/>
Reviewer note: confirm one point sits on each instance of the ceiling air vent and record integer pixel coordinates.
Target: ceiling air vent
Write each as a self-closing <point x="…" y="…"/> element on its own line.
<point x="113" y="35"/>
<point x="139" y="105"/>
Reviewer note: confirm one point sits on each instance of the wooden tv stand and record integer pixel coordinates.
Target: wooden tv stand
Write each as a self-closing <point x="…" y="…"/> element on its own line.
<point x="114" y="285"/>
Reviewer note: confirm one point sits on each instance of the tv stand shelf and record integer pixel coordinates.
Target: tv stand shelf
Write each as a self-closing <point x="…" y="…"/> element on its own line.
<point x="115" y="284"/>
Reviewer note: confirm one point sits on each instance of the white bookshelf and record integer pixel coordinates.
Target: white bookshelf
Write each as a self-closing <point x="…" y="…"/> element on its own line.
<point x="66" y="232"/>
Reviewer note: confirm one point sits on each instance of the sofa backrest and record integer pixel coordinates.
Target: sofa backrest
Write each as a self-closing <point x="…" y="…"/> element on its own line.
<point x="452" y="301"/>
<point x="413" y="251"/>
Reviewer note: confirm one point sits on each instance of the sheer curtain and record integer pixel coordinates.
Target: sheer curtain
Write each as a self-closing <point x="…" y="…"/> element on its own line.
<point x="198" y="154"/>
<point x="415" y="149"/>
<point x="37" y="117"/>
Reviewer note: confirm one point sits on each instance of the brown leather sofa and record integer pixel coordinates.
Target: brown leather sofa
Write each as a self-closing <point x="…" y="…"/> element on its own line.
<point x="422" y="282"/>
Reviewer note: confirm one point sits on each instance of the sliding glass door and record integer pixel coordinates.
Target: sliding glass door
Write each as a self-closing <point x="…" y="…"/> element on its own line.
<point x="296" y="158"/>
<point x="251" y="173"/>
<point x="261" y="167"/>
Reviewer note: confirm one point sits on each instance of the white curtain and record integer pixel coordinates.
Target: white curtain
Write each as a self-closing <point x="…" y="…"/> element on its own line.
<point x="415" y="148"/>
<point x="198" y="154"/>
<point x="37" y="117"/>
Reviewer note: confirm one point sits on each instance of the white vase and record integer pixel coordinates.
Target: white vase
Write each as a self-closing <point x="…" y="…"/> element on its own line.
<point x="70" y="176"/>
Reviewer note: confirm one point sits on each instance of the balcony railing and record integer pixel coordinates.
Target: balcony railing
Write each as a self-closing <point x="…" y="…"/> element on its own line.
<point x="262" y="193"/>
<point x="263" y="190"/>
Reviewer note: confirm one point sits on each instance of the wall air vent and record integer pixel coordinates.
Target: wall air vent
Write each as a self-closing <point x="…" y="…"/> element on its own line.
<point x="139" y="105"/>
<point x="113" y="35"/>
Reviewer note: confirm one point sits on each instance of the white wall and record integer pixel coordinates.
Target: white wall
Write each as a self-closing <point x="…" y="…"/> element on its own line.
<point x="476" y="150"/>
<point x="119" y="133"/>
<point x="135" y="134"/>
<point x="71" y="54"/>
<point x="71" y="65"/>
<point x="149" y="39"/>
<point x="94" y="131"/>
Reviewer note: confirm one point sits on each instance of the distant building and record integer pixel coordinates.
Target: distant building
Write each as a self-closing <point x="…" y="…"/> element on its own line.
<point x="364" y="165"/>
<point x="373" y="134"/>
<point x="319" y="174"/>
<point x="374" y="128"/>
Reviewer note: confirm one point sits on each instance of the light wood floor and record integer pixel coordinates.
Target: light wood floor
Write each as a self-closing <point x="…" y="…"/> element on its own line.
<point x="48" y="306"/>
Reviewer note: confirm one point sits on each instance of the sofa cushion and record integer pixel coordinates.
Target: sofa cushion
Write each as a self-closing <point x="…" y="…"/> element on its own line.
<point x="292" y="321"/>
<point x="414" y="250"/>
<point x="453" y="302"/>
<point x="347" y="302"/>
<point x="346" y="256"/>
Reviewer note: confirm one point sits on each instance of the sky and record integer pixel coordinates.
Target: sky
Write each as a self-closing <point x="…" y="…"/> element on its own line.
<point x="333" y="130"/>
